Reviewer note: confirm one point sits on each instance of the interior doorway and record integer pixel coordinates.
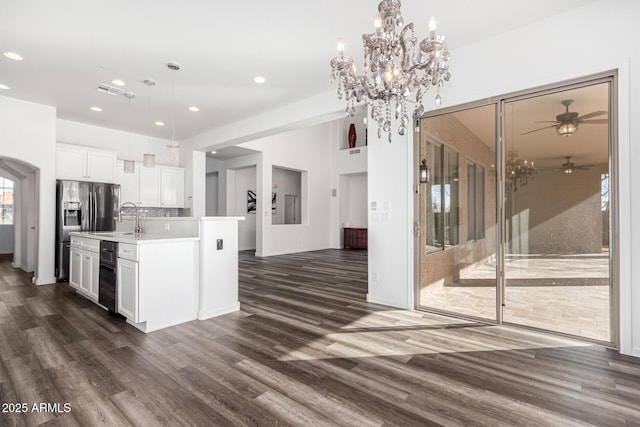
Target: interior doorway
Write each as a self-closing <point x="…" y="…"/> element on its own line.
<point x="515" y="217"/>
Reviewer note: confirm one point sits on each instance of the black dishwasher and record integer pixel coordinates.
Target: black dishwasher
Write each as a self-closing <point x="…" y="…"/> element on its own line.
<point x="108" y="277"/>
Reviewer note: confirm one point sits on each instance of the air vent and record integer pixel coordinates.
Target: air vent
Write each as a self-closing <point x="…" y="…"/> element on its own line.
<point x="109" y="90"/>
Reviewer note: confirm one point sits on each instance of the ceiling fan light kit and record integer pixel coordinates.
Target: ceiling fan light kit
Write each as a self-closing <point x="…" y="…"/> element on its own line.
<point x="568" y="166"/>
<point x="398" y="69"/>
<point x="567" y="123"/>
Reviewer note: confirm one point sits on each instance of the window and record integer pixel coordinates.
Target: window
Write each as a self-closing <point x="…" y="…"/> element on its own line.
<point x="286" y="198"/>
<point x="6" y="201"/>
<point x="443" y="199"/>
<point x="475" y="201"/>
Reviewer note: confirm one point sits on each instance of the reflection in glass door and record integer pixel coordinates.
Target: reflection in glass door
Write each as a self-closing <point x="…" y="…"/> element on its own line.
<point x="557" y="258"/>
<point x="458" y="213"/>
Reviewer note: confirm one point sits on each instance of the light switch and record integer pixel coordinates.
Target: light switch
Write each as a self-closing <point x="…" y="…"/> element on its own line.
<point x="219" y="244"/>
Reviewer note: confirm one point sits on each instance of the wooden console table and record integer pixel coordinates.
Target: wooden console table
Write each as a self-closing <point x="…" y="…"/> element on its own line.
<point x="355" y="238"/>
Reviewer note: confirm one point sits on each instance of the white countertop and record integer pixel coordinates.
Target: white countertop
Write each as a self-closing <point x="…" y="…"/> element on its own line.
<point x="129" y="237"/>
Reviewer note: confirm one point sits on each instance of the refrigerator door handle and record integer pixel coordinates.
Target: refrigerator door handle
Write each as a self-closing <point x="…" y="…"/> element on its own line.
<point x="95" y="211"/>
<point x="91" y="217"/>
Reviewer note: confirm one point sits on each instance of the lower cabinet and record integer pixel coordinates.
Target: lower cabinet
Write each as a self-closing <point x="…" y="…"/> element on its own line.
<point x="75" y="268"/>
<point x="128" y="289"/>
<point x="84" y="272"/>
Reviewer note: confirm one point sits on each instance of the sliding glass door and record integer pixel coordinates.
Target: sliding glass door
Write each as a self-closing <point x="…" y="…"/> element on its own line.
<point x="458" y="214"/>
<point x="515" y="226"/>
<point x="557" y="253"/>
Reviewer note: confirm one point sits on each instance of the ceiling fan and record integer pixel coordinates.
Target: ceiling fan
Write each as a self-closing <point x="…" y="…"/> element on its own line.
<point x="569" y="166"/>
<point x="567" y="123"/>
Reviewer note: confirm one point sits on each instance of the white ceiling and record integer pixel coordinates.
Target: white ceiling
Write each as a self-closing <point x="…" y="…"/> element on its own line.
<point x="71" y="46"/>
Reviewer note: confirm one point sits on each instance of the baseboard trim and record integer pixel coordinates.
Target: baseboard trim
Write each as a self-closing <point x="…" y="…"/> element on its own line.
<point x="208" y="314"/>
<point x="389" y="303"/>
<point x="47" y="281"/>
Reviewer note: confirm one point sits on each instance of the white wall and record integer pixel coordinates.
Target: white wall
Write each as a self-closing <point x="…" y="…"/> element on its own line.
<point x="28" y="134"/>
<point x="353" y="200"/>
<point x="211" y="208"/>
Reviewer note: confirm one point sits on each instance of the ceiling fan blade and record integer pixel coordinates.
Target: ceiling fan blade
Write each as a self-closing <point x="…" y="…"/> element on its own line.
<point x="594" y="122"/>
<point x="594" y="114"/>
<point x="536" y="130"/>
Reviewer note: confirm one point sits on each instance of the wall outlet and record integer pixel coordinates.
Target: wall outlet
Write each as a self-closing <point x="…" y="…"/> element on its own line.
<point x="167" y="226"/>
<point x="219" y="244"/>
<point x="375" y="276"/>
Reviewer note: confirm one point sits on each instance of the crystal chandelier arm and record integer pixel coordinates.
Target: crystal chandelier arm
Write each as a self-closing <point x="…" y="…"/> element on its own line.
<point x="406" y="57"/>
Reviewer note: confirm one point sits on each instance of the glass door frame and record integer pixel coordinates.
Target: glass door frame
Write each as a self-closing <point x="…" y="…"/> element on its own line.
<point x="610" y="77"/>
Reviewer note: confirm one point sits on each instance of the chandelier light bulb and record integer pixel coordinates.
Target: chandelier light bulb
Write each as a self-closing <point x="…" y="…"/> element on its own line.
<point x="340" y="45"/>
<point x="432" y="24"/>
<point x="377" y="23"/>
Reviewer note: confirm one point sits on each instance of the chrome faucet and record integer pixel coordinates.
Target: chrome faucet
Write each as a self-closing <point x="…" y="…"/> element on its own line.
<point x="137" y="230"/>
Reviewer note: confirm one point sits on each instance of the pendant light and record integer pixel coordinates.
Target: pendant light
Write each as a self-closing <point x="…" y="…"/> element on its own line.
<point x="149" y="159"/>
<point x="173" y="150"/>
<point x="129" y="165"/>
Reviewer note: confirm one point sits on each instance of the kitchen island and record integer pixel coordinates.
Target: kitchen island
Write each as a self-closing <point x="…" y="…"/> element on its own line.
<point x="165" y="278"/>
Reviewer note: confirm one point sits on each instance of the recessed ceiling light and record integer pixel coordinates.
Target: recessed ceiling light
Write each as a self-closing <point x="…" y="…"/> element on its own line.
<point x="96" y="109"/>
<point x="212" y="151"/>
<point x="5" y="87"/>
<point x="194" y="109"/>
<point x="159" y="123"/>
<point x="118" y="82"/>
<point x="259" y="79"/>
<point x="13" y="55"/>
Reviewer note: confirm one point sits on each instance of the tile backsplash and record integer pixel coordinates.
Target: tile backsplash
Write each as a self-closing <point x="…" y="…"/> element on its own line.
<point x="128" y="212"/>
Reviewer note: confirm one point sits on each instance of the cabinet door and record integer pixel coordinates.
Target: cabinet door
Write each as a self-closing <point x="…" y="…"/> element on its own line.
<point x="128" y="183"/>
<point x="149" y="186"/>
<point x="86" y="275"/>
<point x="95" y="275"/>
<point x="172" y="187"/>
<point x="75" y="268"/>
<point x="101" y="166"/>
<point x="71" y="163"/>
<point x="128" y="289"/>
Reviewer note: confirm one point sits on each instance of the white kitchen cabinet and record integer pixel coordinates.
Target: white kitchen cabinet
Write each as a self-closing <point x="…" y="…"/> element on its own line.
<point x="75" y="268"/>
<point x="128" y="183"/>
<point x="128" y="289"/>
<point x="160" y="186"/>
<point x="85" y="164"/>
<point x="171" y="187"/>
<point x="149" y="190"/>
<point x="84" y="270"/>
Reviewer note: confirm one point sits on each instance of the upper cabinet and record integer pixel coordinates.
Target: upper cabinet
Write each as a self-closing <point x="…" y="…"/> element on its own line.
<point x="160" y="186"/>
<point x="171" y="187"/>
<point x="128" y="183"/>
<point x="85" y="163"/>
<point x="149" y="192"/>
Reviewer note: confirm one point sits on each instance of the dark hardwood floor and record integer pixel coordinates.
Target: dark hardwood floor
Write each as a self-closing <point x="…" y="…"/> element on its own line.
<point x="305" y="349"/>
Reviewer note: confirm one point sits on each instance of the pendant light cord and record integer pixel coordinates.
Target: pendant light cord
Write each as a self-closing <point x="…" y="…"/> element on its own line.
<point x="173" y="108"/>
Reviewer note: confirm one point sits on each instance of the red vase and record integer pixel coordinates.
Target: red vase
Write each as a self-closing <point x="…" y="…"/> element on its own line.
<point x="352" y="135"/>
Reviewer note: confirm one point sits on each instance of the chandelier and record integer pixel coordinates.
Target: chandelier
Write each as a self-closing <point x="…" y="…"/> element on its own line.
<point x="518" y="171"/>
<point x="395" y="72"/>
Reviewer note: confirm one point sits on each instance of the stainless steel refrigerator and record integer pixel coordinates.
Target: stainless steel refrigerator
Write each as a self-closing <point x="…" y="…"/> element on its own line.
<point x="82" y="206"/>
